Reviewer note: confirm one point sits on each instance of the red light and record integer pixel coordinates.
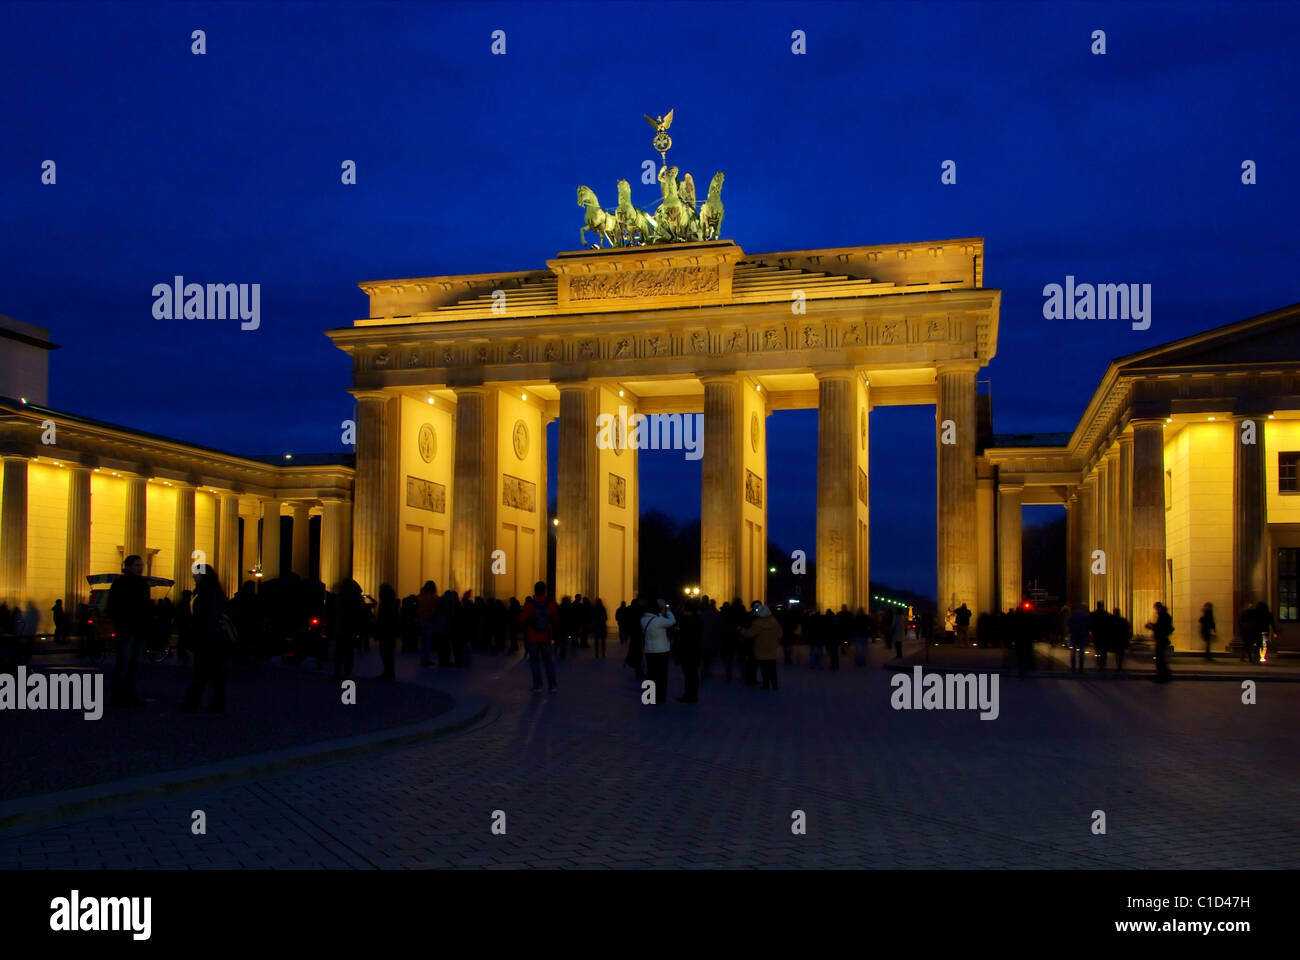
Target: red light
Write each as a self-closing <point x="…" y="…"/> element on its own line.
<point x="90" y="621"/>
<point x="1028" y="605"/>
<point x="314" y="621"/>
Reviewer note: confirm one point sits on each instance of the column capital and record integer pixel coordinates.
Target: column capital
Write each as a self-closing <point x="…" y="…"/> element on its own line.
<point x="722" y="378"/>
<point x="563" y="385"/>
<point x="1011" y="488"/>
<point x="371" y="394"/>
<point x="966" y="365"/>
<point x="1139" y="422"/>
<point x="836" y="373"/>
<point x="1124" y="440"/>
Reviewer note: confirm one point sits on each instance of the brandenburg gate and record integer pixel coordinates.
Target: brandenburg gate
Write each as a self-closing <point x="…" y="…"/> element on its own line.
<point x="456" y="378"/>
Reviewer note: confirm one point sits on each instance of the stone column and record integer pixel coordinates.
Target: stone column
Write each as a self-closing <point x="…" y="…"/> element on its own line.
<point x="334" y="533"/>
<point x="270" y="539"/>
<point x="302" y="539"/>
<point x="1124" y="597"/>
<point x="1249" y="516"/>
<point x="228" y="541"/>
<point x="252" y="544"/>
<point x="722" y="489"/>
<point x="1087" y="539"/>
<point x="1011" y="584"/>
<point x="1101" y="521"/>
<point x="955" y="420"/>
<point x="544" y="493"/>
<point x="183" y="543"/>
<point x="76" y="562"/>
<point x="576" y="505"/>
<point x="1148" y="519"/>
<point x="1072" y="549"/>
<point x="13" y="531"/>
<point x="1114" y="549"/>
<point x="837" y="493"/>
<point x="473" y="486"/>
<point x="374" y="518"/>
<point x="134" y="530"/>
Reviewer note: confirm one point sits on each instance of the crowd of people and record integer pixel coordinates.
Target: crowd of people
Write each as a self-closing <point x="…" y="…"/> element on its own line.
<point x="298" y="619"/>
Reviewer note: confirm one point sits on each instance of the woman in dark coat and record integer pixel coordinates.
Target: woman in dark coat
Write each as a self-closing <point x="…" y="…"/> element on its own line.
<point x="211" y="643"/>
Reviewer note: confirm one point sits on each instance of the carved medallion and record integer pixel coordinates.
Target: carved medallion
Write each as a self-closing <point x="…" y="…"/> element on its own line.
<point x="553" y="350"/>
<point x="812" y="337"/>
<point x="516" y="353"/>
<point x="520" y="437"/>
<point x="863" y="429"/>
<point x="382" y="359"/>
<point x="770" y="340"/>
<point x="413" y="358"/>
<point x="754" y="431"/>
<point x="623" y="348"/>
<point x="737" y="341"/>
<point x="427" y="442"/>
<point x="699" y="342"/>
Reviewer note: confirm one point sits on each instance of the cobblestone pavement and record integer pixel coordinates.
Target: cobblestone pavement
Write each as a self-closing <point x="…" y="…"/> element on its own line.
<point x="1186" y="774"/>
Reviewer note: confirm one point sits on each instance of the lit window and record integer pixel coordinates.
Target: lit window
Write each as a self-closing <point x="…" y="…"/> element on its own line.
<point x="1288" y="466"/>
<point x="1288" y="561"/>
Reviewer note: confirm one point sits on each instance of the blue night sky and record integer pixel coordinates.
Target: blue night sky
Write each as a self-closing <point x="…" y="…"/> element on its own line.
<point x="226" y="168"/>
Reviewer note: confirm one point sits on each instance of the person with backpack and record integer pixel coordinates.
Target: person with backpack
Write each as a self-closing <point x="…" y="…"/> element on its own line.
<point x="214" y="638"/>
<point x="540" y="617"/>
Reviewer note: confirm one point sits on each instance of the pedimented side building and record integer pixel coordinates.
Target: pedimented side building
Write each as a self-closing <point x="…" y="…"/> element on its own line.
<point x="1180" y="481"/>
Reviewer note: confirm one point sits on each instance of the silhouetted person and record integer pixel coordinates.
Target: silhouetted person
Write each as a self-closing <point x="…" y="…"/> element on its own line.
<point x="349" y="626"/>
<point x="1078" y="628"/>
<point x="765" y="632"/>
<point x="636" y="639"/>
<point x="213" y="632"/>
<point x="60" y="621"/>
<point x="690" y="630"/>
<point x="131" y="614"/>
<point x="540" y="618"/>
<point x="1264" y="630"/>
<point x="1161" y="628"/>
<point x="1206" y="622"/>
<point x="387" y="625"/>
<point x="1120" y="637"/>
<point x="185" y="626"/>
<point x="513" y="614"/>
<point x="962" y="617"/>
<point x="654" y="625"/>
<point x="444" y="626"/>
<point x="900" y="628"/>
<point x="599" y="627"/>
<point x="1099" y="626"/>
<point x="427" y="612"/>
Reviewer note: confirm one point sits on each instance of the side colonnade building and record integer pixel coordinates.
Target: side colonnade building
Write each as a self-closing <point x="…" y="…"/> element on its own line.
<point x="1179" y="482"/>
<point x="78" y="495"/>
